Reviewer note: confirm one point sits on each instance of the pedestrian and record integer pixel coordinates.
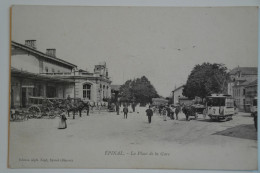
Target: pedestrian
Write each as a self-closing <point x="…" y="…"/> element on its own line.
<point x="117" y="108"/>
<point x="160" y="109"/>
<point x="149" y="114"/>
<point x="99" y="106"/>
<point x="69" y="98"/>
<point x="164" y="113"/>
<point x="62" y="123"/>
<point x="187" y="111"/>
<point x="92" y="105"/>
<point x="125" y="110"/>
<point x="177" y="110"/>
<point x="169" y="113"/>
<point x="87" y="108"/>
<point x="133" y="106"/>
<point x="172" y="108"/>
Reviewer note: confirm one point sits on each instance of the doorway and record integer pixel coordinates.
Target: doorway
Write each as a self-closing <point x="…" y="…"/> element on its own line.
<point x="24" y="98"/>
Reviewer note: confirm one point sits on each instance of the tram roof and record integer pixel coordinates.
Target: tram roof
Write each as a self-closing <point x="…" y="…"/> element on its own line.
<point x="219" y="95"/>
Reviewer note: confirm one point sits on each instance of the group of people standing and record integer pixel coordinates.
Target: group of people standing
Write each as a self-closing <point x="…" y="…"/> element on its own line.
<point x="169" y="110"/>
<point x="165" y="111"/>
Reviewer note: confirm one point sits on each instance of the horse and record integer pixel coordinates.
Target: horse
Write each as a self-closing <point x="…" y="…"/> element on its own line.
<point x="189" y="111"/>
<point x="77" y="107"/>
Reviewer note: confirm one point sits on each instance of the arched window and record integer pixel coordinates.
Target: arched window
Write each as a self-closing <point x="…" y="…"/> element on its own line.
<point x="87" y="91"/>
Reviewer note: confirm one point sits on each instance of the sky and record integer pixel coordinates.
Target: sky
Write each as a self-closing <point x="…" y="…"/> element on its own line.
<point x="162" y="43"/>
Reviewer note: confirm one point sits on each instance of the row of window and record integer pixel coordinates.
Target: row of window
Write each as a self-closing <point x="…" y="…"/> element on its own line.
<point x="237" y="92"/>
<point x="237" y="101"/>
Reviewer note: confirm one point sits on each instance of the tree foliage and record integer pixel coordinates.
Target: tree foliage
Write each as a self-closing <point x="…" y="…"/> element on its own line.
<point x="206" y="79"/>
<point x="138" y="90"/>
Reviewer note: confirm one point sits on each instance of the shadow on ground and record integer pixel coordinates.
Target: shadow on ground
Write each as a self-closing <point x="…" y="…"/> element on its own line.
<point x="245" y="131"/>
<point x="210" y="121"/>
<point x="245" y="115"/>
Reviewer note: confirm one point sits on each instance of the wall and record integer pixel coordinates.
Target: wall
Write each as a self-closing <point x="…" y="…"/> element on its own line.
<point x="79" y="89"/>
<point x="69" y="90"/>
<point x="96" y="91"/>
<point x="176" y="94"/>
<point x="251" y="93"/>
<point x="25" y="62"/>
<point x="15" y="87"/>
<point x="57" y="68"/>
<point x="239" y="96"/>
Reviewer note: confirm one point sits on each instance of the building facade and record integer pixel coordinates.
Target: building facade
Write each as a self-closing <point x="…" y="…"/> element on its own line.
<point x="94" y="86"/>
<point x="28" y="82"/>
<point x="36" y="75"/>
<point x="177" y="94"/>
<point x="240" y="78"/>
<point x="250" y="94"/>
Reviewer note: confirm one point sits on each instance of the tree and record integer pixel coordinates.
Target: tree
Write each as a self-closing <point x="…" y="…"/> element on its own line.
<point x="206" y="79"/>
<point x="138" y="90"/>
<point x="125" y="92"/>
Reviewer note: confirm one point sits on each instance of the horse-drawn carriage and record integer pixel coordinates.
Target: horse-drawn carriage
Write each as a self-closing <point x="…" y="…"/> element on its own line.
<point x="193" y="110"/>
<point x="45" y="107"/>
<point x="40" y="107"/>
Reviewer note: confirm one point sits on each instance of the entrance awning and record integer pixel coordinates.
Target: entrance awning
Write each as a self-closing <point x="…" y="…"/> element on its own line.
<point x="38" y="77"/>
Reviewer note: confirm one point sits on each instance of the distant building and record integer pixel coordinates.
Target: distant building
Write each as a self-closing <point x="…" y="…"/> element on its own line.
<point x="249" y="73"/>
<point x="241" y="77"/>
<point x="177" y="95"/>
<point x="250" y="94"/>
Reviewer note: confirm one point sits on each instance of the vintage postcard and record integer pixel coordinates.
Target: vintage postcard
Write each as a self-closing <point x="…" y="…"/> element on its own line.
<point x="133" y="87"/>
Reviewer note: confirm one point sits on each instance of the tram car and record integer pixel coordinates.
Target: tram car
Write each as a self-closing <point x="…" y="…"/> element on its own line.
<point x="220" y="107"/>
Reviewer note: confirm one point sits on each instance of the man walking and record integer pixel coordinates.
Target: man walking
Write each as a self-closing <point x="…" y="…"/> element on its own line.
<point x="87" y="108"/>
<point x="117" y="108"/>
<point x="99" y="106"/>
<point x="149" y="113"/>
<point x="125" y="110"/>
<point x="177" y="110"/>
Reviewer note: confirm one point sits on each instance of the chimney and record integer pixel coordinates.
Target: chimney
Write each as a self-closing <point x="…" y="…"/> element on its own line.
<point x="51" y="52"/>
<point x="30" y="43"/>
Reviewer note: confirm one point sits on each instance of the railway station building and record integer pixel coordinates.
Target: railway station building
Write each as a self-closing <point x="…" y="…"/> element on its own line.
<point x="37" y="75"/>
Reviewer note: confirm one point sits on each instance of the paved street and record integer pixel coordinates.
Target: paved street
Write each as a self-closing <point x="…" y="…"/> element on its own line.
<point x="108" y="140"/>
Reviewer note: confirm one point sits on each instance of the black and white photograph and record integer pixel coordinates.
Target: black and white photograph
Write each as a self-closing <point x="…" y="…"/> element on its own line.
<point x="117" y="87"/>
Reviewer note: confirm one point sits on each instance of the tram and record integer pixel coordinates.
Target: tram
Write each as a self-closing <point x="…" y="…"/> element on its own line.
<point x="220" y="107"/>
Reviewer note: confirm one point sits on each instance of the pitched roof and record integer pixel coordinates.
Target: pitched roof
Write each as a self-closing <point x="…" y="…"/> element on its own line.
<point x="178" y="88"/>
<point x="246" y="81"/>
<point x="253" y="83"/>
<point x="245" y="70"/>
<point x="41" y="54"/>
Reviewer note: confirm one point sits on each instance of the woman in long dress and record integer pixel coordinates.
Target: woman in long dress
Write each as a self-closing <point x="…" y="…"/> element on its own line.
<point x="62" y="123"/>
